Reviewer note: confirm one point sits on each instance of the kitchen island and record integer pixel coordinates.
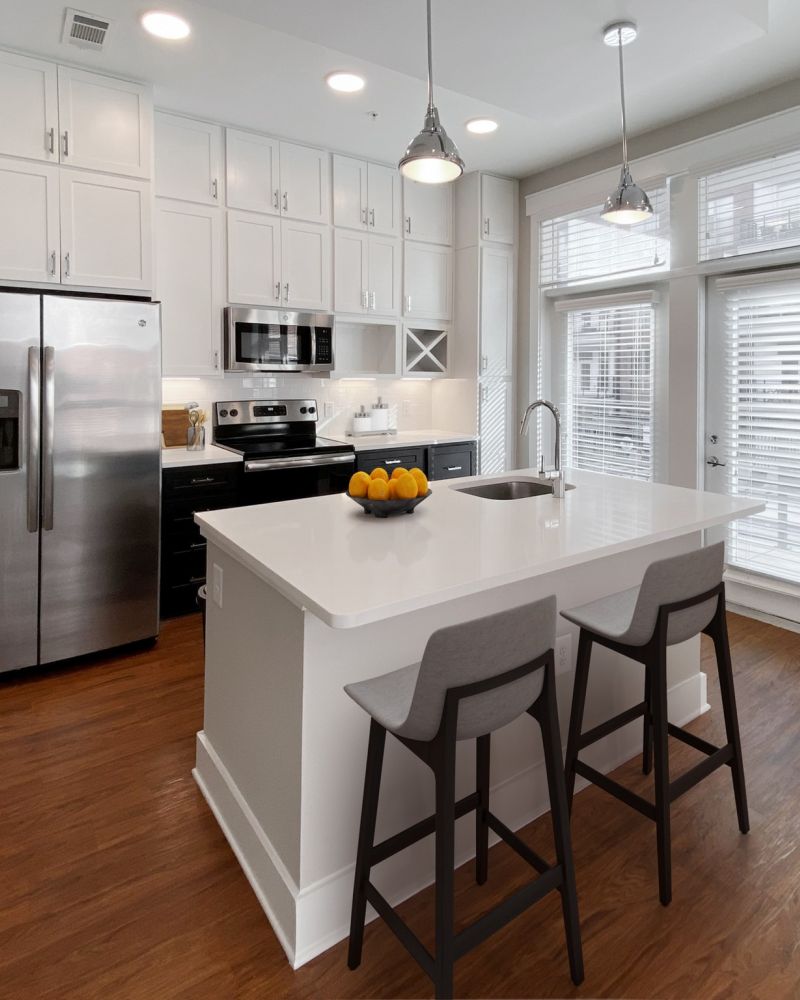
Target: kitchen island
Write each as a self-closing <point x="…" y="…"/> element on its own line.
<point x="309" y="595"/>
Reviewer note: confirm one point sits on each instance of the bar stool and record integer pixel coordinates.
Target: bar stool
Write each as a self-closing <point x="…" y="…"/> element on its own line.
<point x="679" y="597"/>
<point x="473" y="678"/>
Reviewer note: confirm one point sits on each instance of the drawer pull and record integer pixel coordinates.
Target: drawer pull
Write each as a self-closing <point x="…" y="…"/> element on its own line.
<point x="392" y="461"/>
<point x="197" y="545"/>
<point x="454" y="468"/>
<point x="197" y="579"/>
<point x="201" y="479"/>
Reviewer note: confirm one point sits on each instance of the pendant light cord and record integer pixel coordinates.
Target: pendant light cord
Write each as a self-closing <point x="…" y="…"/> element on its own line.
<point x="621" y="94"/>
<point x="430" y="61"/>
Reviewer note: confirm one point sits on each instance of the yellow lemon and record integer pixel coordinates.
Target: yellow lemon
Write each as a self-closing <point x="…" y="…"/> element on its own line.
<point x="378" y="489"/>
<point x="398" y="472"/>
<point x="392" y="484"/>
<point x="359" y="483"/>
<point x="407" y="487"/>
<point x="422" y="481"/>
<point x="379" y="473"/>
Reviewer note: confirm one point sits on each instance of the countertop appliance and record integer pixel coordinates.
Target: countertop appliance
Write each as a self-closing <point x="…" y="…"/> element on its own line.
<point x="283" y="457"/>
<point x="80" y="423"/>
<point x="278" y="340"/>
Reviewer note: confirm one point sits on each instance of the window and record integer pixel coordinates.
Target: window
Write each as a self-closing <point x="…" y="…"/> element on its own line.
<point x="581" y="247"/>
<point x="750" y="208"/>
<point x="607" y="362"/>
<point x="760" y="404"/>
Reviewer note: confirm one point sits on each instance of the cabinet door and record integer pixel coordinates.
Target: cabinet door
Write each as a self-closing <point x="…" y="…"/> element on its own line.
<point x="29" y="238"/>
<point x="428" y="211"/>
<point x="428" y="281"/>
<point x="29" y="99"/>
<point x="383" y="186"/>
<point x="497" y="311"/>
<point x="188" y="159"/>
<point x="305" y="265"/>
<point x="105" y="231"/>
<point x="189" y="285"/>
<point x="252" y="172"/>
<point x="305" y="183"/>
<point x="494" y="426"/>
<point x="349" y="192"/>
<point x="351" y="272"/>
<point x="106" y="124"/>
<point x="253" y="259"/>
<point x="384" y="276"/>
<point x="498" y="208"/>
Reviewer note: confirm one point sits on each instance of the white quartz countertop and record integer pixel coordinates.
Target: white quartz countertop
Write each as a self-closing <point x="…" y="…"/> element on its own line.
<point x="402" y="439"/>
<point x="175" y="458"/>
<point x="349" y="569"/>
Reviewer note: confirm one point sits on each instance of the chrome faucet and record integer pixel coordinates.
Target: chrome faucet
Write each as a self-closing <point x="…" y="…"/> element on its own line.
<point x="558" y="486"/>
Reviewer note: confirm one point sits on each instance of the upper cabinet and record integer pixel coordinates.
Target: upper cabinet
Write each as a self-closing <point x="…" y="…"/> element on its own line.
<point x="29" y="98"/>
<point x="498" y="209"/>
<point x="428" y="212"/>
<point x="104" y="123"/>
<point x="366" y="196"/>
<point x="305" y="183"/>
<point x="252" y="172"/>
<point x="428" y="282"/>
<point x="497" y="290"/>
<point x="29" y="236"/>
<point x="188" y="159"/>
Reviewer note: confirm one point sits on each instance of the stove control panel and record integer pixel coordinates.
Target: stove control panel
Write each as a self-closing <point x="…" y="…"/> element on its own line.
<point x="264" y="411"/>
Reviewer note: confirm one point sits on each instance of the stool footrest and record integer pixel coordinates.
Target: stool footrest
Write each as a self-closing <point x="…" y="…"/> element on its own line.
<point x="593" y="735"/>
<point x="691" y="740"/>
<point x="723" y="755"/>
<point x="513" y="841"/>
<point x="618" y="791"/>
<point x="425" y="827"/>
<point x="402" y="931"/>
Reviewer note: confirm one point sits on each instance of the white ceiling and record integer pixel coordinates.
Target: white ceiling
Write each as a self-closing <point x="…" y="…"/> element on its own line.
<point x="537" y="66"/>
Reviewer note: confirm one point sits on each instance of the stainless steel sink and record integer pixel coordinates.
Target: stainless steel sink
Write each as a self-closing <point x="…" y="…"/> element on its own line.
<point x="511" y="489"/>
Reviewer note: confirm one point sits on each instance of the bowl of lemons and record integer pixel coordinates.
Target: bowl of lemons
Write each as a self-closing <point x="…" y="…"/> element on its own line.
<point x="382" y="495"/>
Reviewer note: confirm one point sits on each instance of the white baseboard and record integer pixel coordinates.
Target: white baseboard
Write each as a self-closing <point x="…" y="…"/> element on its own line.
<point x="311" y="919"/>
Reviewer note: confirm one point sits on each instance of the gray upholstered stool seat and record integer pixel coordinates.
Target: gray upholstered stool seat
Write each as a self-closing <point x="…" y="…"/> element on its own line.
<point x="474" y="677"/>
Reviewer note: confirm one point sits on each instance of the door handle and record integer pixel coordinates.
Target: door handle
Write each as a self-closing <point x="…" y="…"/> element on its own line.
<point x="33" y="439"/>
<point x="486" y="226"/>
<point x="276" y="200"/>
<point x="50" y="139"/>
<point x="286" y="293"/>
<point x="214" y="189"/>
<point x="714" y="462"/>
<point x="392" y="461"/>
<point x="484" y="363"/>
<point x="48" y="433"/>
<point x="364" y="216"/>
<point x="408" y="225"/>
<point x="372" y="217"/>
<point x="66" y="264"/>
<point x="372" y="305"/>
<point x="408" y="303"/>
<point x="53" y="262"/>
<point x="66" y="143"/>
<point x="364" y="299"/>
<point x="277" y="290"/>
<point x="286" y="201"/>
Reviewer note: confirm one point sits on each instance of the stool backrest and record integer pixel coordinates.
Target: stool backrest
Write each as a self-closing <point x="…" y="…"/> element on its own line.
<point x="474" y="651"/>
<point x="677" y="579"/>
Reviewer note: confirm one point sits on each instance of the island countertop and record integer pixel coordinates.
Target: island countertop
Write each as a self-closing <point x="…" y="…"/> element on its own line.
<point x="324" y="554"/>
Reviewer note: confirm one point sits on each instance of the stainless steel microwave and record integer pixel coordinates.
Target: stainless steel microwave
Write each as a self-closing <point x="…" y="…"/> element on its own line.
<point x="277" y="340"/>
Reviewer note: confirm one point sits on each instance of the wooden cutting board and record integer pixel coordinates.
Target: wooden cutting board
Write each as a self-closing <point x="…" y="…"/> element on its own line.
<point x="174" y="427"/>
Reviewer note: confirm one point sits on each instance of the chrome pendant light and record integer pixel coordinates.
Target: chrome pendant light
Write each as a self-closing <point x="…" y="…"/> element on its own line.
<point x="432" y="156"/>
<point x="628" y="203"/>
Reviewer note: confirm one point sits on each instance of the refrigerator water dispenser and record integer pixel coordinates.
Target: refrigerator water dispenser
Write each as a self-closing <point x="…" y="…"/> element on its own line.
<point x="10" y="400"/>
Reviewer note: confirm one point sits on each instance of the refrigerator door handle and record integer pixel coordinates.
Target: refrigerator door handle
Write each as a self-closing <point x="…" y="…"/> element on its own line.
<point x="48" y="428"/>
<point x="33" y="439"/>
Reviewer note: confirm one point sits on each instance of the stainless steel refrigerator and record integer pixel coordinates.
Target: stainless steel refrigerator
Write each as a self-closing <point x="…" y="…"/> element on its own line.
<point x="80" y="406"/>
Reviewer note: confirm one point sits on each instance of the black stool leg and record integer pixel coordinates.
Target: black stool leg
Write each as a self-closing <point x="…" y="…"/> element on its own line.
<point x="725" y="670"/>
<point x="647" y="737"/>
<point x="576" y="713"/>
<point x="657" y="666"/>
<point x="366" y="839"/>
<point x="546" y="712"/>
<point x="445" y="771"/>
<point x="481" y="826"/>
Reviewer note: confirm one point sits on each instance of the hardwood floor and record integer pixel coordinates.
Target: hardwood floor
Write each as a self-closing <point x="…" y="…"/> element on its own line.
<point x="115" y="881"/>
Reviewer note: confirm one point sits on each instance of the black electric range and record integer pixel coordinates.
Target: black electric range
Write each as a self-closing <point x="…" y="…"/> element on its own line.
<point x="283" y="459"/>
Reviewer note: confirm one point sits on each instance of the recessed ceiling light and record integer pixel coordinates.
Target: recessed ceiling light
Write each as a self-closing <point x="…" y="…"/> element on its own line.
<point x="345" y="83"/>
<point x="162" y="24"/>
<point x="481" y="126"/>
<point x="612" y="32"/>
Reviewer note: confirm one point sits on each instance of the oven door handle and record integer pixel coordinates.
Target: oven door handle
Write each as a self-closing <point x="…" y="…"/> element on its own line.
<point x="298" y="462"/>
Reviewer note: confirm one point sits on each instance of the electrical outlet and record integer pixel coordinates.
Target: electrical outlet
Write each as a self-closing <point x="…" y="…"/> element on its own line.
<point x="216" y="585"/>
<point x="328" y="409"/>
<point x="563" y="654"/>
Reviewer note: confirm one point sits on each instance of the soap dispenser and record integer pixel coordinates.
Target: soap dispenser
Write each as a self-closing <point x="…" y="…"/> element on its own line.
<point x="380" y="416"/>
<point x="362" y="421"/>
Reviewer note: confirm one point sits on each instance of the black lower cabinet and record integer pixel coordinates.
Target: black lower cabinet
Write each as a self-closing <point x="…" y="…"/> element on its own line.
<point x="392" y="458"/>
<point x="452" y="461"/>
<point x="185" y="492"/>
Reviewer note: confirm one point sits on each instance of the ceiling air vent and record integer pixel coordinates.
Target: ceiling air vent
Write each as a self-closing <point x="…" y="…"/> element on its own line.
<point x="85" y="30"/>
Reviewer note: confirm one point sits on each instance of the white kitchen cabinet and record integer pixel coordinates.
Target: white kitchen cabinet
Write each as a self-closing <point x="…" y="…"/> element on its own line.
<point x="252" y="172"/>
<point x="351" y="272"/>
<point x="105" y="124"/>
<point x="385" y="263"/>
<point x="254" y="259"/>
<point x="495" y="423"/>
<point x="366" y="196"/>
<point x="383" y="189"/>
<point x="29" y="234"/>
<point x="189" y="286"/>
<point x="497" y="311"/>
<point x="498" y="209"/>
<point x="305" y="265"/>
<point x="427" y="281"/>
<point x="428" y="212"/>
<point x="105" y="231"/>
<point x="29" y="99"/>
<point x="305" y="183"/>
<point x="188" y="159"/>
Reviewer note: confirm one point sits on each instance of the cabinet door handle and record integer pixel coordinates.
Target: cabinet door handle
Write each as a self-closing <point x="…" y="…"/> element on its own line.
<point x="408" y="225"/>
<point x="53" y="262"/>
<point x="364" y="216"/>
<point x="372" y="305"/>
<point x="372" y="217"/>
<point x="216" y="359"/>
<point x="408" y="303"/>
<point x="484" y="363"/>
<point x="66" y="264"/>
<point x="50" y="139"/>
<point x="392" y="461"/>
<point x="286" y="201"/>
<point x="276" y="200"/>
<point x="286" y="292"/>
<point x="197" y="545"/>
<point x="214" y="189"/>
<point x="277" y="290"/>
<point x="484" y="393"/>
<point x="201" y="479"/>
<point x="363" y="298"/>
<point x="454" y="468"/>
<point x="66" y="143"/>
<point x="486" y="226"/>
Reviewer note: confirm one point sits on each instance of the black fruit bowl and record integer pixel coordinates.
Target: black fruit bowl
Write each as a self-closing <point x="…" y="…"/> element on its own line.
<point x="385" y="508"/>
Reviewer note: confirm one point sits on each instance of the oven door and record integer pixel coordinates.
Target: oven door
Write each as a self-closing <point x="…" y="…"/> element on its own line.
<point x="267" y="480"/>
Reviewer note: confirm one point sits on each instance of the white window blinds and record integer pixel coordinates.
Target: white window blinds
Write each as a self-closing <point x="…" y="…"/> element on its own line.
<point x="581" y="247"/>
<point x="608" y="386"/>
<point x="750" y="208"/>
<point x="762" y="423"/>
